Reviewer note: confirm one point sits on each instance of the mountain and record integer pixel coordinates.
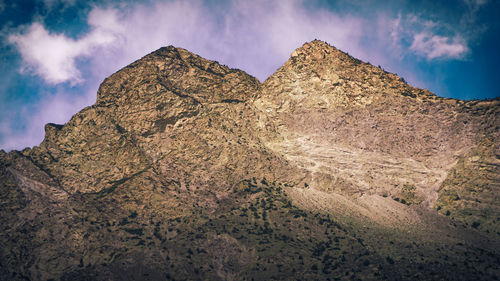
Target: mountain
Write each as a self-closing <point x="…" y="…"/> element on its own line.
<point x="185" y="169"/>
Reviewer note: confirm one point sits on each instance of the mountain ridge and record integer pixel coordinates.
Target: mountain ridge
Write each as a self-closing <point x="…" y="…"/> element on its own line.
<point x="184" y="161"/>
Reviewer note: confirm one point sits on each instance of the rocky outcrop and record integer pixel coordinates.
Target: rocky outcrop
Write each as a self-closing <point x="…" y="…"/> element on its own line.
<point x="187" y="169"/>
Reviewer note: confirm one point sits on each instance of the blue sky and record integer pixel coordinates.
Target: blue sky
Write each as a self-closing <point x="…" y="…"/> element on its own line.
<point x="55" y="53"/>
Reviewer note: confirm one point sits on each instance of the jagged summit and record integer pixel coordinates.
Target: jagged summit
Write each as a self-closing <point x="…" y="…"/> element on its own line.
<point x="173" y="69"/>
<point x="187" y="169"/>
<point x="317" y="61"/>
<point x="319" y="50"/>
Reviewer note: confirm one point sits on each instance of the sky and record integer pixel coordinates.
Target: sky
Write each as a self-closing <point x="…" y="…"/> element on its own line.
<point x="55" y="53"/>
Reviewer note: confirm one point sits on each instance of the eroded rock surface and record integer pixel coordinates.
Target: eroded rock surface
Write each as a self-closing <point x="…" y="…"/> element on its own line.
<point x="186" y="169"/>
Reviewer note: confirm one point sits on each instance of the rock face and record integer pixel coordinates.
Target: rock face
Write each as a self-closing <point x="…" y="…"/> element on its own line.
<point x="359" y="130"/>
<point x="185" y="169"/>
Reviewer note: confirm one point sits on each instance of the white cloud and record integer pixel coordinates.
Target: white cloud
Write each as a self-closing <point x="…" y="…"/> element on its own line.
<point x="413" y="35"/>
<point x="53" y="56"/>
<point x="434" y="46"/>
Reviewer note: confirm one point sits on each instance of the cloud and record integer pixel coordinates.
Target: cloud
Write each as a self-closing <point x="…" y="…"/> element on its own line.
<point x="411" y="34"/>
<point x="261" y="46"/>
<point x="53" y="56"/>
<point x="446" y="38"/>
<point x="434" y="46"/>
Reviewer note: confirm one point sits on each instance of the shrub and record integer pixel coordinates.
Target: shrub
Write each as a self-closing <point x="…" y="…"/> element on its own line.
<point x="136" y="231"/>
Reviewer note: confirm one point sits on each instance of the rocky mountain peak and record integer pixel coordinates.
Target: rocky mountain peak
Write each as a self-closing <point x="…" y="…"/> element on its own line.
<point x="179" y="72"/>
<point x="317" y="50"/>
<point x="324" y="66"/>
<point x="326" y="110"/>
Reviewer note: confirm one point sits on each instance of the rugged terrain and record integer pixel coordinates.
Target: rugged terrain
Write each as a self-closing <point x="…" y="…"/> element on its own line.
<point x="185" y="169"/>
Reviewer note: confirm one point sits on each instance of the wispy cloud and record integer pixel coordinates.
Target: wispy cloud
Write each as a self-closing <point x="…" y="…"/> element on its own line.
<point x="53" y="56"/>
<point x="411" y="34"/>
<point x="475" y="5"/>
<point x="435" y="46"/>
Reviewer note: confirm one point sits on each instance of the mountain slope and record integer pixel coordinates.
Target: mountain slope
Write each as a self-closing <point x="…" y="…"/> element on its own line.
<point x="185" y="169"/>
<point x="358" y="130"/>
